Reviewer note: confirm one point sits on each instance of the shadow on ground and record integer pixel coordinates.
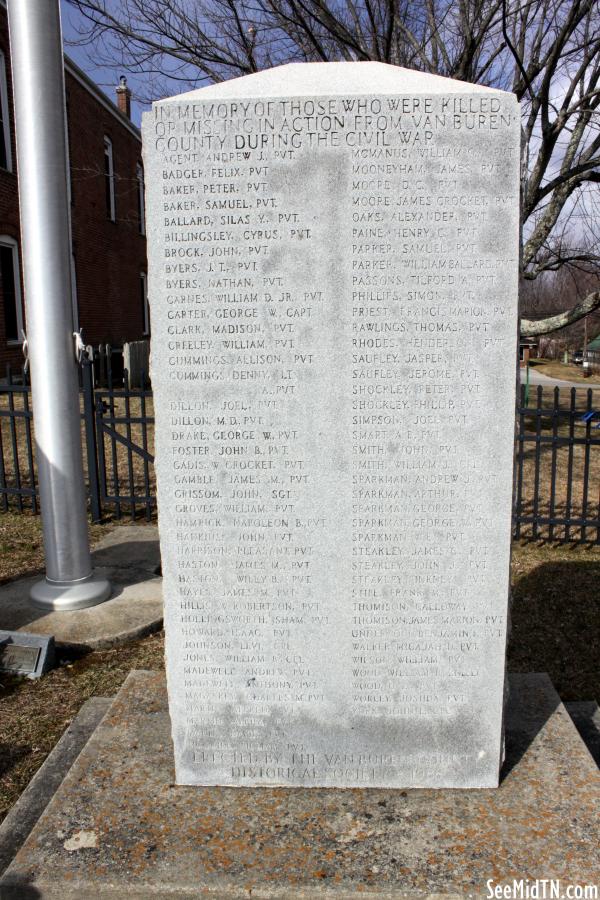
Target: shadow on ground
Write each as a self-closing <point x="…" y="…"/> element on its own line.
<point x="555" y="617"/>
<point x="126" y="564"/>
<point x="11" y="755"/>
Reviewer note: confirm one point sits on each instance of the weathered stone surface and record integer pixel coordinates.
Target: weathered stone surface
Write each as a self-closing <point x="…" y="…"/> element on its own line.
<point x="21" y="818"/>
<point x="119" y="827"/>
<point x="586" y="716"/>
<point x="333" y="280"/>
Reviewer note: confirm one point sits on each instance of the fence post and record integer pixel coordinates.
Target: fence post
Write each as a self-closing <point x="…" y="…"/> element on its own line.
<point x="91" y="445"/>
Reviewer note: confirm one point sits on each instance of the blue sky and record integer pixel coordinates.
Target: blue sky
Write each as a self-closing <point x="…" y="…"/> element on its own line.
<point x="107" y="78"/>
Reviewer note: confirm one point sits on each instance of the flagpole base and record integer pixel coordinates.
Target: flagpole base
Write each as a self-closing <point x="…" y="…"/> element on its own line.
<point x="63" y="596"/>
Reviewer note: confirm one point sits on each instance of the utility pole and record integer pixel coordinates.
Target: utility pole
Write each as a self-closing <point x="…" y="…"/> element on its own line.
<point x="585" y="364"/>
<point x="39" y="94"/>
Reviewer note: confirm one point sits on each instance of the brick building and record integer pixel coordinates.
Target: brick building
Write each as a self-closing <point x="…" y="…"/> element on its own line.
<point x="107" y="215"/>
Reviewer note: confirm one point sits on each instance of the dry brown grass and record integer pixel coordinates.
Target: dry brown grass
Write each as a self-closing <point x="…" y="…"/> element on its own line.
<point x="555" y="623"/>
<point x="35" y="713"/>
<point x="21" y="547"/>
<point x="556" y="609"/>
<point x="555" y="498"/>
<point x="21" y="543"/>
<point x="556" y="616"/>
<point x="125" y="475"/>
<point x="566" y="372"/>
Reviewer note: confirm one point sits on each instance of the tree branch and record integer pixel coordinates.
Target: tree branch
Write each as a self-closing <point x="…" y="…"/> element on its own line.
<point x="530" y="328"/>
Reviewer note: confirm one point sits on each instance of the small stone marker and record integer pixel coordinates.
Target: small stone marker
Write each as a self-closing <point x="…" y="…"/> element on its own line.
<point x="26" y="654"/>
<point x="333" y="284"/>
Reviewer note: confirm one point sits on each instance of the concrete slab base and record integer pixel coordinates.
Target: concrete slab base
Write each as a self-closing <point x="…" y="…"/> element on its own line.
<point x="586" y="716"/>
<point x="17" y="825"/>
<point x="130" y="558"/>
<point x="118" y="826"/>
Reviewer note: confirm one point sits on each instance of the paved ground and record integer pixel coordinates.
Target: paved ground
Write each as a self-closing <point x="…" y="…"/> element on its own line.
<point x="17" y="826"/>
<point x="118" y="827"/>
<point x="536" y="378"/>
<point x="130" y="558"/>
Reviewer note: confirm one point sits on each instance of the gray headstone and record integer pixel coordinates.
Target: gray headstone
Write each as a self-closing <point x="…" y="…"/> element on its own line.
<point x="333" y="284"/>
<point x="135" y="360"/>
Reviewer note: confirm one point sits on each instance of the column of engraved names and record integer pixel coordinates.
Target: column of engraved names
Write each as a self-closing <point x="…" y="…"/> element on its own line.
<point x="421" y="306"/>
<point x="237" y="472"/>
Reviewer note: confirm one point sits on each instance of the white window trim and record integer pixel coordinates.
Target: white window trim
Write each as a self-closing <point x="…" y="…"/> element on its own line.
<point x="141" y="198"/>
<point x="146" y="307"/>
<point x="69" y="185"/>
<point x="108" y="151"/>
<point x="6" y="241"/>
<point x="74" y="301"/>
<point x="5" y="113"/>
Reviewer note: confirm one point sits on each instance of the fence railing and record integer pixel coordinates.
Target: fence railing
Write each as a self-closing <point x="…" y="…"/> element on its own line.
<point x="557" y="471"/>
<point x="117" y="432"/>
<point x="558" y="465"/>
<point x="124" y="436"/>
<point x="17" y="466"/>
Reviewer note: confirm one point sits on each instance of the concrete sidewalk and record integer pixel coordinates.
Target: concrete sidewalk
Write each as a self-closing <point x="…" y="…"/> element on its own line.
<point x="130" y="558"/>
<point x="536" y="378"/>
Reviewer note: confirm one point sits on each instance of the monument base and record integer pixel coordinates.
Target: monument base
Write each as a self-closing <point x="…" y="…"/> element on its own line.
<point x="119" y="827"/>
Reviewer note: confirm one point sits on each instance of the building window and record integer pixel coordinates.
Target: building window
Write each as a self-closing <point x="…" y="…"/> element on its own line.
<point x="139" y="174"/>
<point x="144" y="304"/>
<point x="109" y="179"/>
<point x="10" y="288"/>
<point x="5" y="150"/>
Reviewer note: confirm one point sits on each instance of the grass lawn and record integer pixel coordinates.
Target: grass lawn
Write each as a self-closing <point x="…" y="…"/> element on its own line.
<point x="566" y="471"/>
<point x="555" y="616"/>
<point x="555" y="622"/>
<point x="555" y="369"/>
<point x="21" y="544"/>
<point x="125" y="475"/>
<point x="35" y="713"/>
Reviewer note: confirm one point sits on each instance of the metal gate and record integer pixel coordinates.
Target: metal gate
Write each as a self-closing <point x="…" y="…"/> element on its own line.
<point x="120" y="462"/>
<point x="557" y="444"/>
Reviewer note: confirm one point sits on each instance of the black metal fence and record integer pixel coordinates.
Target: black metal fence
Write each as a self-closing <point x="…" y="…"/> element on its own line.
<point x="17" y="467"/>
<point x="558" y="465"/>
<point x="557" y="473"/>
<point x="117" y="437"/>
<point x="120" y="460"/>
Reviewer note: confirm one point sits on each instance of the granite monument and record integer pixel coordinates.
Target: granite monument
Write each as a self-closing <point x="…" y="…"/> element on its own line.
<point x="333" y="257"/>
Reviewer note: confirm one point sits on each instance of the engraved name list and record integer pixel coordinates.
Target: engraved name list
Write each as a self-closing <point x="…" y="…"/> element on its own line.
<point x="333" y="301"/>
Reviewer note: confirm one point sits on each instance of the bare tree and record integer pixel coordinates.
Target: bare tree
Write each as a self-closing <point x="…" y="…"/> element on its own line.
<point x="546" y="51"/>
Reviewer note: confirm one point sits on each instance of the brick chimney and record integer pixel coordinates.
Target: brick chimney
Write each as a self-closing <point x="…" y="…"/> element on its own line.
<point x="124" y="97"/>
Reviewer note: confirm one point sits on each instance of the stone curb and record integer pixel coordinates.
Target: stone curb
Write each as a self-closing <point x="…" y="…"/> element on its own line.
<point x="22" y="817"/>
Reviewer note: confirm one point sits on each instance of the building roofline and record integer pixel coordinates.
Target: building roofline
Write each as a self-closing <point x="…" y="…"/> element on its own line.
<point x="99" y="95"/>
<point x="92" y="88"/>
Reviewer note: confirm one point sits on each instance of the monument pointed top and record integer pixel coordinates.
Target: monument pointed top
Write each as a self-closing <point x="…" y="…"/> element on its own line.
<point x="333" y="278"/>
<point x="330" y="78"/>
